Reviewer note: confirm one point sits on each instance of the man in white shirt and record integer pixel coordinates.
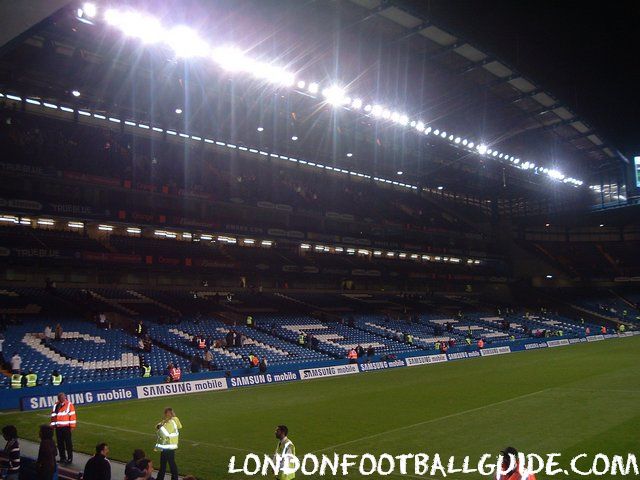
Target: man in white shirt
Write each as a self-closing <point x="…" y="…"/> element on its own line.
<point x="48" y="334"/>
<point x="16" y="363"/>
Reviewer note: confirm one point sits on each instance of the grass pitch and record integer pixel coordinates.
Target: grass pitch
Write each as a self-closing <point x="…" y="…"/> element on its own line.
<point x="582" y="398"/>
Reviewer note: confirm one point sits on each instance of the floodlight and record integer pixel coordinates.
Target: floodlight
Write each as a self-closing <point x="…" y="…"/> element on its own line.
<point x="260" y="129"/>
<point x="482" y="149"/>
<point x="89" y="10"/>
<point x="178" y="110"/>
<point x="313" y="87"/>
<point x="357" y="103"/>
<point x="186" y="43"/>
<point x="75" y="93"/>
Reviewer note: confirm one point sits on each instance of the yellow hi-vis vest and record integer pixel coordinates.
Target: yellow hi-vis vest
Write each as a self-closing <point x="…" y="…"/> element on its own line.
<point x="56" y="379"/>
<point x="32" y="380"/>
<point x="285" y="448"/>
<point x="16" y="380"/>
<point x="147" y="371"/>
<point x="249" y="320"/>
<point x="168" y="434"/>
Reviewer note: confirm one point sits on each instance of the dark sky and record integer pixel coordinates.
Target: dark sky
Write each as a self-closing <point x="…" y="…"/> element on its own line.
<point x="587" y="54"/>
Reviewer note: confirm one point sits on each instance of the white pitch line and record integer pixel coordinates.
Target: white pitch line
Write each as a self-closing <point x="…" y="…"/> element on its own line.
<point x="215" y="445"/>
<point x="426" y="422"/>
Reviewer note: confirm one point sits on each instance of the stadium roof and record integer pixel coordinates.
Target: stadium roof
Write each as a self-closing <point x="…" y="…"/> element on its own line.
<point x="543" y="114"/>
<point x="377" y="49"/>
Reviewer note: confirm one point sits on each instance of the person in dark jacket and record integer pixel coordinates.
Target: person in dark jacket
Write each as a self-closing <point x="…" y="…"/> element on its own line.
<point x="98" y="467"/>
<point x="46" y="463"/>
<point x="10" y="456"/>
<point x="131" y="469"/>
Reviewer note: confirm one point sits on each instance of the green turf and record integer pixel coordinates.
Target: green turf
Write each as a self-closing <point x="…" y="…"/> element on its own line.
<point x="580" y="398"/>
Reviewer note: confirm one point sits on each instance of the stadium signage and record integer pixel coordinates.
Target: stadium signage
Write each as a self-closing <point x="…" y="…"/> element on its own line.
<point x="79" y="398"/>
<point x="181" y="388"/>
<point x="533" y="346"/>
<point x="595" y="338"/>
<point x="308" y="373"/>
<point x="262" y="378"/>
<point x="558" y="343"/>
<point x="487" y="352"/>
<point x="461" y="355"/>
<point x="426" y="359"/>
<point x="367" y="367"/>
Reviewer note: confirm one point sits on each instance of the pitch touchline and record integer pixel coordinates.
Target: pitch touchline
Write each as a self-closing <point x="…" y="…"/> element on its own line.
<point x="184" y="441"/>
<point x="426" y="422"/>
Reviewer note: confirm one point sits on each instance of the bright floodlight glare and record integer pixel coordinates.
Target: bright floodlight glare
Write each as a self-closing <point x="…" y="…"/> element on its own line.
<point x="294" y="138"/>
<point x="357" y="103"/>
<point x="75" y="93"/>
<point x="549" y="276"/>
<point x="135" y="24"/>
<point x="313" y="87"/>
<point x="260" y="129"/>
<point x="334" y="95"/>
<point x="90" y="10"/>
<point x="178" y="110"/>
<point x="186" y="43"/>
<point x="232" y="59"/>
<point x="399" y="172"/>
<point x="349" y="154"/>
<point x="482" y="149"/>
<point x="440" y="187"/>
<point x="301" y="84"/>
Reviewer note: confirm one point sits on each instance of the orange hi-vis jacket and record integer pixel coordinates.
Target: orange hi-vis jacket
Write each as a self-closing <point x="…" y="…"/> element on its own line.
<point x="63" y="415"/>
<point x="515" y="475"/>
<point x="175" y="374"/>
<point x="352" y="354"/>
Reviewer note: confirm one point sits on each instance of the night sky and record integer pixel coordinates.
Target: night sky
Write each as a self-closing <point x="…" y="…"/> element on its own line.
<point x="586" y="54"/>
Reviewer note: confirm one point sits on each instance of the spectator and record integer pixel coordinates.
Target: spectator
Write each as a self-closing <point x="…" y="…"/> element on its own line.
<point x="208" y="359"/>
<point x="231" y="338"/>
<point x="1" y="350"/>
<point x="10" y="456"/>
<point x="263" y="365"/>
<point x="145" y="469"/>
<point x="16" y="363"/>
<point x="131" y="470"/>
<point x="46" y="462"/>
<point x="195" y="366"/>
<point x="98" y="467"/>
<point x="147" y="343"/>
<point x="360" y="351"/>
<point x="58" y="334"/>
<point x="48" y="333"/>
<point x="103" y="321"/>
<point x="370" y="352"/>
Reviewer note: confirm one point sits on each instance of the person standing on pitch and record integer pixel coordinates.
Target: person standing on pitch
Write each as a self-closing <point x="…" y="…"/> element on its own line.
<point x="63" y="420"/>
<point x="285" y="447"/>
<point x="167" y="443"/>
